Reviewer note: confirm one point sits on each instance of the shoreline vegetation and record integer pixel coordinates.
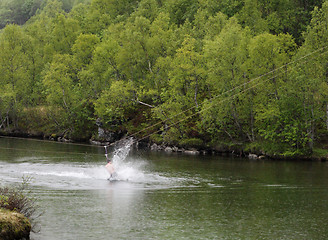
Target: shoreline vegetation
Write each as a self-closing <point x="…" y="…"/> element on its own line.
<point x="18" y="212"/>
<point x="13" y="225"/>
<point x="241" y="77"/>
<point x="234" y="150"/>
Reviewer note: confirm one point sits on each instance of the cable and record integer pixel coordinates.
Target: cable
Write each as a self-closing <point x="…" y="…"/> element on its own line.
<point x="243" y="91"/>
<point x="226" y="92"/>
<point x="187" y="117"/>
<point x="50" y="141"/>
<point x="45" y="151"/>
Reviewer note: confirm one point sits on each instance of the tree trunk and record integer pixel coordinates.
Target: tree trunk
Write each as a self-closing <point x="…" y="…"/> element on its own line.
<point x="327" y="115"/>
<point x="312" y="128"/>
<point x="196" y="90"/>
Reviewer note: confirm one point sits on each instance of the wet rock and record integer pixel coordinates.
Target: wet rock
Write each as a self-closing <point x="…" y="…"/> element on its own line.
<point x="93" y="142"/>
<point x="192" y="152"/>
<point x="106" y="135"/>
<point x="62" y="139"/>
<point x="175" y="149"/>
<point x="181" y="150"/>
<point x="154" y="147"/>
<point x="168" y="149"/>
<point x="252" y="156"/>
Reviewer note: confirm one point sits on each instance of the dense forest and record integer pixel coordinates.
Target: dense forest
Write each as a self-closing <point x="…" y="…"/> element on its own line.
<point x="229" y="74"/>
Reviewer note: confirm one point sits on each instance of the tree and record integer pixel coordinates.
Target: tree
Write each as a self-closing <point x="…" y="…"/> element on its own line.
<point x="102" y="69"/>
<point x="64" y="34"/>
<point x="310" y="79"/>
<point x="62" y="92"/>
<point x="185" y="88"/>
<point x="115" y="105"/>
<point x="148" y="9"/>
<point x="15" y="70"/>
<point x="83" y="48"/>
<point x="226" y="57"/>
<point x="181" y="11"/>
<point x="251" y="16"/>
<point x="17" y="11"/>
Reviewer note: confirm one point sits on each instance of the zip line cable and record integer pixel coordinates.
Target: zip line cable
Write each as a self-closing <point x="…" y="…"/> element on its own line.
<point x="45" y="151"/>
<point x="189" y="116"/>
<point x="228" y="91"/>
<point x="50" y="141"/>
<point x="227" y="98"/>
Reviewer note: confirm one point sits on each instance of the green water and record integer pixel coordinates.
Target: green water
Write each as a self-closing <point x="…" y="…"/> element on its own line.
<point x="167" y="196"/>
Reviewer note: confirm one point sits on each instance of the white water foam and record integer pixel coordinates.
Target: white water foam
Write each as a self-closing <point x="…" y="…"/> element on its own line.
<point x="133" y="170"/>
<point x="85" y="175"/>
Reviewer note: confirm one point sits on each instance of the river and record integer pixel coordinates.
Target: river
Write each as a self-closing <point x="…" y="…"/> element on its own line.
<point x="166" y="196"/>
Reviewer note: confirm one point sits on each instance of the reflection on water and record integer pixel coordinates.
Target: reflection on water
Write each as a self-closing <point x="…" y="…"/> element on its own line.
<point x="168" y="196"/>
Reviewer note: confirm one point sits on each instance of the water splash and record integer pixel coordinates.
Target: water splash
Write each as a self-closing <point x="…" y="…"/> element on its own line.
<point x="136" y="173"/>
<point x="122" y="151"/>
<point x="122" y="168"/>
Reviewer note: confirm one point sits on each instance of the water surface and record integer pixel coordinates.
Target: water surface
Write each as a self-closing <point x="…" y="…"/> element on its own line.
<point x="167" y="196"/>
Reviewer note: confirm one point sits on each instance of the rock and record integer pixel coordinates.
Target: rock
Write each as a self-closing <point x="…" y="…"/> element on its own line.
<point x="92" y="142"/>
<point x="203" y="152"/>
<point x="252" y="156"/>
<point x="154" y="147"/>
<point x="105" y="135"/>
<point x="62" y="139"/>
<point x="181" y="150"/>
<point x="175" y="149"/>
<point x="168" y="149"/>
<point x="192" y="152"/>
<point x="14" y="226"/>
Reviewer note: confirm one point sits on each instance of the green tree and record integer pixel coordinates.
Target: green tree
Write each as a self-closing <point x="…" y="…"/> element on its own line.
<point x="184" y="91"/>
<point x="116" y="104"/>
<point x="226" y="56"/>
<point x="17" y="11"/>
<point x="15" y="71"/>
<point x="181" y="11"/>
<point x="310" y="79"/>
<point x="148" y="9"/>
<point x="84" y="47"/>
<point x="279" y="112"/>
<point x="251" y="16"/>
<point x="64" y="34"/>
<point x="102" y="70"/>
<point x="62" y="92"/>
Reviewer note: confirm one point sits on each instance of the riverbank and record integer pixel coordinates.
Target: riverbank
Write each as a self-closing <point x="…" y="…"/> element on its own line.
<point x="255" y="151"/>
<point x="238" y="150"/>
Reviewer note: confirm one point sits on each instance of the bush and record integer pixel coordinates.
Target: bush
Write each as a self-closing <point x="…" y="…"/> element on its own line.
<point x="16" y="199"/>
<point x="192" y="143"/>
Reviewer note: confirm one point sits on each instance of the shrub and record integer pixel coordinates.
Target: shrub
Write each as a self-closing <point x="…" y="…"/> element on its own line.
<point x="17" y="199"/>
<point x="192" y="143"/>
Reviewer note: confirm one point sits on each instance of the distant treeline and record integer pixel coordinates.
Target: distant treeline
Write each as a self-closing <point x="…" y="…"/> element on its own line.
<point x="223" y="74"/>
<point x="19" y="11"/>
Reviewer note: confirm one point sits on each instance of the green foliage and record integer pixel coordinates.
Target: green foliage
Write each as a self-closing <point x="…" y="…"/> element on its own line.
<point x="233" y="71"/>
<point x="192" y="142"/>
<point x="20" y="11"/>
<point x="115" y="104"/>
<point x="18" y="199"/>
<point x="181" y="10"/>
<point x="83" y="48"/>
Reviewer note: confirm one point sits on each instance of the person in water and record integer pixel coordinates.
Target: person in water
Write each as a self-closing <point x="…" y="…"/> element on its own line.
<point x="110" y="168"/>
